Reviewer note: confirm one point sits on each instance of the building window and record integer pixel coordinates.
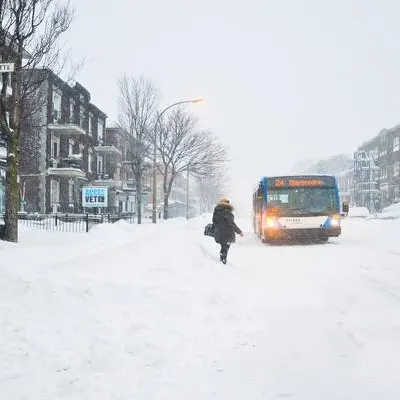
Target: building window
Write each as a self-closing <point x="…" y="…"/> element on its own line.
<point x="396" y="169"/>
<point x="56" y="106"/>
<point x="396" y="143"/>
<point x="100" y="165"/>
<point x="54" y="192"/>
<point x="90" y="124"/>
<point x="55" y="147"/>
<point x="81" y="148"/>
<point x="90" y="160"/>
<point x="71" y="147"/>
<point x="100" y="130"/>
<point x="82" y="117"/>
<point x="71" y="111"/>
<point x="70" y="192"/>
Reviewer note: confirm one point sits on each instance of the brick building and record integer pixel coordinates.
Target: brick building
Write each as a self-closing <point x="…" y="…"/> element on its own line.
<point x="379" y="175"/>
<point x="59" y="146"/>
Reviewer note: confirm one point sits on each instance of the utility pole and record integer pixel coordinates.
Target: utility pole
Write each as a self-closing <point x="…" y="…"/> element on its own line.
<point x="187" y="191"/>
<point x="369" y="178"/>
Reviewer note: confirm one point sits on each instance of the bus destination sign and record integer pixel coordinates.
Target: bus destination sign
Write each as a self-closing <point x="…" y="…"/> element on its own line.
<point x="301" y="181"/>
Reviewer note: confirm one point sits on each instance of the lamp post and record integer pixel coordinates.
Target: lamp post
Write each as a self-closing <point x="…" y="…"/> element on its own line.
<point x="155" y="152"/>
<point x="187" y="191"/>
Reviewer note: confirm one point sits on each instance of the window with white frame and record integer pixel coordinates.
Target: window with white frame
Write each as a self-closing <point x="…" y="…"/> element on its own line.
<point x="90" y="160"/>
<point x="71" y="147"/>
<point x="90" y="124"/>
<point x="100" y="165"/>
<point x="81" y="148"/>
<point x="70" y="192"/>
<point x="56" y="105"/>
<point x="100" y="129"/>
<point x="82" y="116"/>
<point x="54" y="191"/>
<point x="396" y="143"/>
<point x="71" y="111"/>
<point x="396" y="169"/>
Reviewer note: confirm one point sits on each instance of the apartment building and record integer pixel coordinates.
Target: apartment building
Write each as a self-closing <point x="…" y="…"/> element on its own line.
<point x="60" y="146"/>
<point x="377" y="169"/>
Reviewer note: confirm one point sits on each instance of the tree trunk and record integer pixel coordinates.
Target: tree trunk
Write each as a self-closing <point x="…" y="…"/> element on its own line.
<point x="139" y="203"/>
<point x="12" y="191"/>
<point x="167" y="190"/>
<point x="12" y="185"/>
<point x="166" y="196"/>
<point x="138" y="178"/>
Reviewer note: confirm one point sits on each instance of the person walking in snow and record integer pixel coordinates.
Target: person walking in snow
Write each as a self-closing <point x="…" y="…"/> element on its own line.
<point x="225" y="227"/>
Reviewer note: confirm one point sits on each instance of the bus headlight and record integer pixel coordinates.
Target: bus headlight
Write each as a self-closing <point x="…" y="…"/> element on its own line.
<point x="272" y="222"/>
<point x="335" y="221"/>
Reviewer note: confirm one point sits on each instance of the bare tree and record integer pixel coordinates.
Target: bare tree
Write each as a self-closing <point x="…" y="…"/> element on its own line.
<point x="212" y="187"/>
<point x="137" y="101"/>
<point x="183" y="148"/>
<point x="29" y="35"/>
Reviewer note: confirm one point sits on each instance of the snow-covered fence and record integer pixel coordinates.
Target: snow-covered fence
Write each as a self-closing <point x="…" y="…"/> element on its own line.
<point x="70" y="222"/>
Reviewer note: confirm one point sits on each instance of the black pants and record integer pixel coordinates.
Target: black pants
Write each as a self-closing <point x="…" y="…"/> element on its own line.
<point x="224" y="250"/>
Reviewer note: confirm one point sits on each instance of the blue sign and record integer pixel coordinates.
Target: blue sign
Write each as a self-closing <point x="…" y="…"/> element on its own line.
<point x="94" y="196"/>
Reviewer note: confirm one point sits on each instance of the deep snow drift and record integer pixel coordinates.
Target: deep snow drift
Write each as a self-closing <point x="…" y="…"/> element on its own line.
<point x="147" y="312"/>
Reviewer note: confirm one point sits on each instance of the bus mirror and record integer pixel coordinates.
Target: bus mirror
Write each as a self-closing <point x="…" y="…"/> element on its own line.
<point x="345" y="207"/>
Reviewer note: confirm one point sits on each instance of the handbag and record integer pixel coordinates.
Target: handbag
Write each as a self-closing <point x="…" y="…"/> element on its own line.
<point x="209" y="230"/>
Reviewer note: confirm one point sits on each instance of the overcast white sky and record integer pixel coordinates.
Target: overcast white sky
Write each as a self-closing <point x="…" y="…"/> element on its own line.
<point x="283" y="80"/>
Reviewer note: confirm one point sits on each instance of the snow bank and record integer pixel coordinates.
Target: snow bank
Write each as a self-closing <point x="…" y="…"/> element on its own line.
<point x="148" y="312"/>
<point x="358" y="212"/>
<point x="391" y="212"/>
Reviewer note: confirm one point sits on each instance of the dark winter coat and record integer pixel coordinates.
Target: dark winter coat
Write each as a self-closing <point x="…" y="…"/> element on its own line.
<point x="224" y="223"/>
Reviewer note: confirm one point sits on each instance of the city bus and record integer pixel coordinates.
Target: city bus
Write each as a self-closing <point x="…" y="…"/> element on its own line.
<point x="297" y="207"/>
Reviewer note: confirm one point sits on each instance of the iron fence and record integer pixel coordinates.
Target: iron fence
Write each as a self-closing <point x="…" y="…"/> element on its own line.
<point x="71" y="222"/>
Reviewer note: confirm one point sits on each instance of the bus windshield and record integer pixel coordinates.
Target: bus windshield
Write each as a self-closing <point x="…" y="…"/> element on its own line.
<point x="302" y="201"/>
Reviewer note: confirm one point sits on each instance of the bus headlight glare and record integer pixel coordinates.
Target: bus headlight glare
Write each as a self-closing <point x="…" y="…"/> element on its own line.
<point x="272" y="222"/>
<point x="335" y="221"/>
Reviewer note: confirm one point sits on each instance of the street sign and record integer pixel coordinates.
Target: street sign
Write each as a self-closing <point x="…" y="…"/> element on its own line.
<point x="6" y="67"/>
<point x="94" y="196"/>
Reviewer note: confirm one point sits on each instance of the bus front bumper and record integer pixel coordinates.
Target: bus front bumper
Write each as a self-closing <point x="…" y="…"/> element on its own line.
<point x="302" y="234"/>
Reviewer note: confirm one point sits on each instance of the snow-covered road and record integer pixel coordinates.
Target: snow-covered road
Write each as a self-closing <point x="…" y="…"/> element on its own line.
<point x="128" y="312"/>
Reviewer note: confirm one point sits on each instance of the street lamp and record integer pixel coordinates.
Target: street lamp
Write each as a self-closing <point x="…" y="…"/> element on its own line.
<point x="198" y="100"/>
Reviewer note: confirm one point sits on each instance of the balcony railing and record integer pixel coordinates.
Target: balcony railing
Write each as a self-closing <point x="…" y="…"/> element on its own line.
<point x="103" y="149"/>
<point x="70" y="167"/>
<point x="65" y="126"/>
